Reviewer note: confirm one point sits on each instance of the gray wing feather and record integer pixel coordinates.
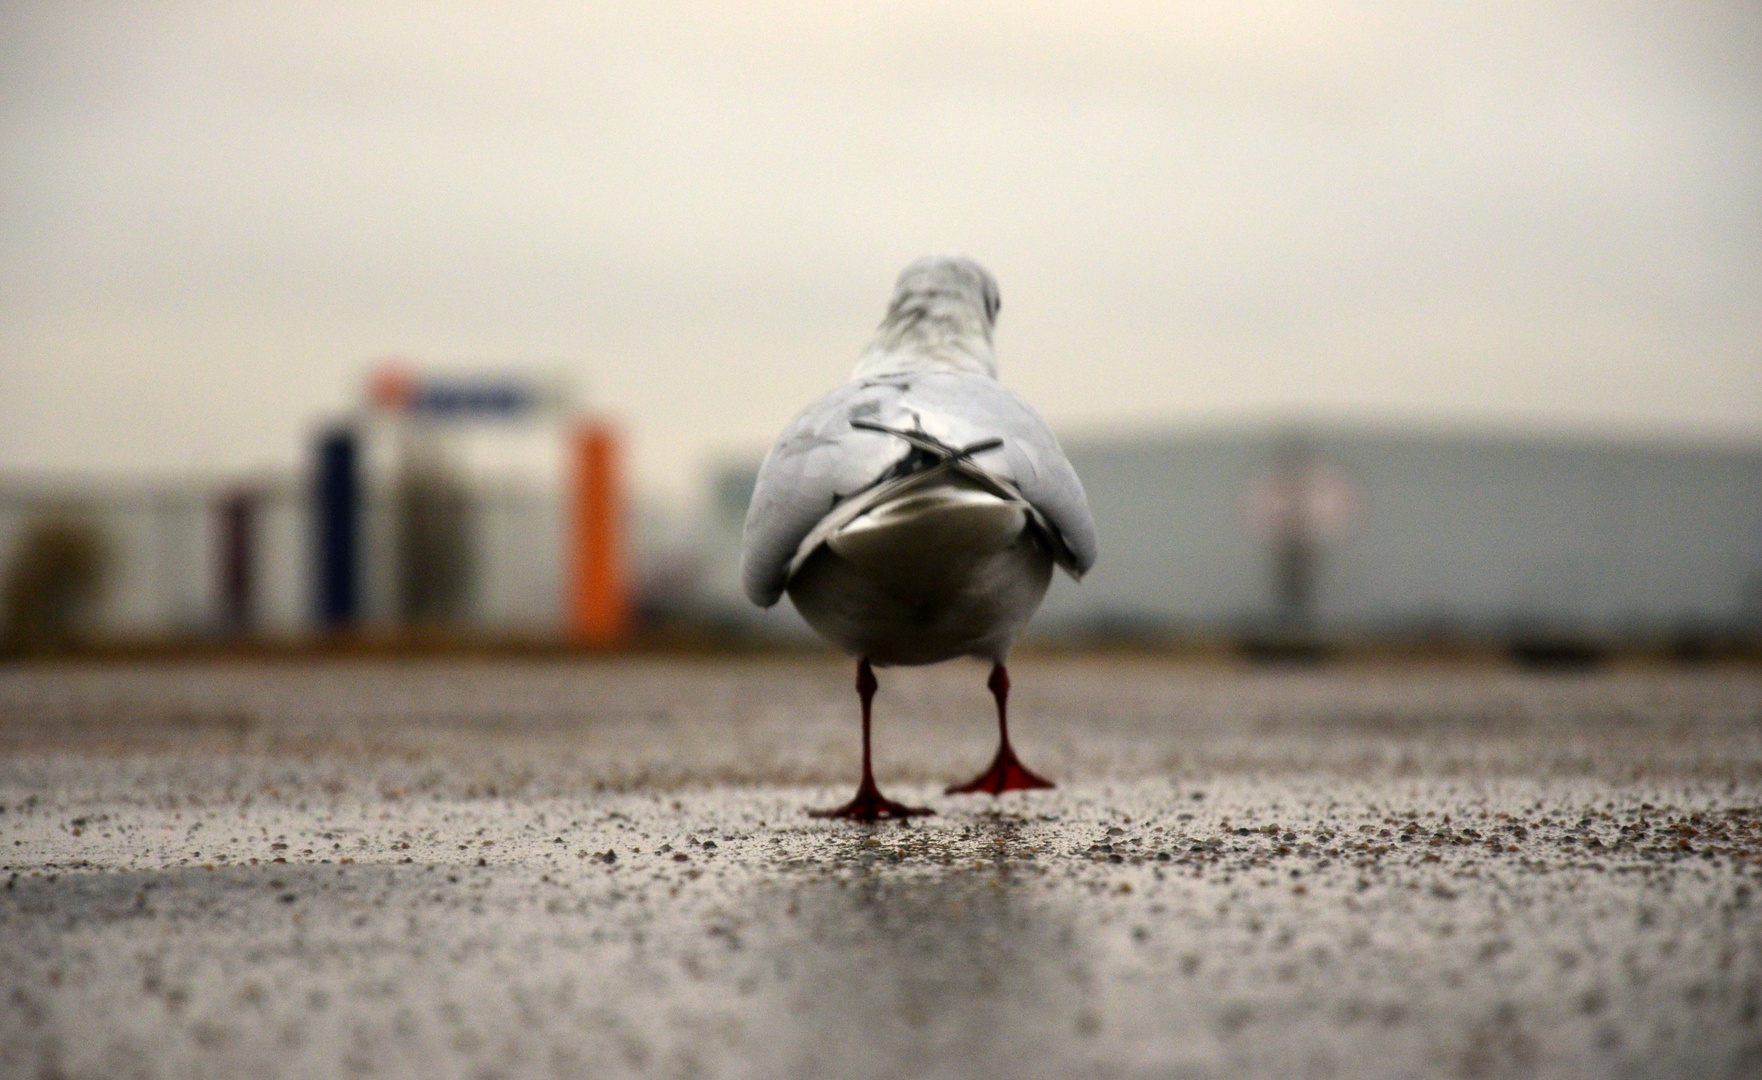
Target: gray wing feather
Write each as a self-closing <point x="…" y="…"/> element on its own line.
<point x="820" y="460"/>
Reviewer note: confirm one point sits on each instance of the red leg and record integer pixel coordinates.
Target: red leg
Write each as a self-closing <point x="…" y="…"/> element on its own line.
<point x="869" y="804"/>
<point x="1005" y="773"/>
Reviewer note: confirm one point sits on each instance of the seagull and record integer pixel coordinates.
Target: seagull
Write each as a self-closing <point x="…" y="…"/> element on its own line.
<point x="915" y="514"/>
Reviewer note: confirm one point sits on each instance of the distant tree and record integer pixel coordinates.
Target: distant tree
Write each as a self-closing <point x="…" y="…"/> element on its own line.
<point x="55" y="579"/>
<point x="434" y="544"/>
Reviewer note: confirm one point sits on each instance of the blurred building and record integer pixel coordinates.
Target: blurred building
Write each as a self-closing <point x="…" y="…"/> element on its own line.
<point x="481" y="506"/>
<point x="1387" y="534"/>
<point x="474" y="504"/>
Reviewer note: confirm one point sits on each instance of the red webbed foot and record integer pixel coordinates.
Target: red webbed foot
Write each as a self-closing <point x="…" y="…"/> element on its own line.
<point x="871" y="805"/>
<point x="1005" y="774"/>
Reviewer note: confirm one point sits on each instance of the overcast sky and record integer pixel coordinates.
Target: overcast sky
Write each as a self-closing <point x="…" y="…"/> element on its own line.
<point x="214" y="218"/>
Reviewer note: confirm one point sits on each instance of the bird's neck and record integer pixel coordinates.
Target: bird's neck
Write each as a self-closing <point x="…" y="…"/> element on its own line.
<point x="930" y="331"/>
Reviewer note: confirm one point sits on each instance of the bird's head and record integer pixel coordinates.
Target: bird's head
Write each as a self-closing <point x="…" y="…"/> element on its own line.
<point x="941" y="315"/>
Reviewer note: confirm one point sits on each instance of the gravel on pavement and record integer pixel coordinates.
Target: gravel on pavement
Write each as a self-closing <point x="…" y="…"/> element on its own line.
<point x="604" y="868"/>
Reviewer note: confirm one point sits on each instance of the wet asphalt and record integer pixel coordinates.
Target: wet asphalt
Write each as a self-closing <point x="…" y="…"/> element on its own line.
<point x="604" y="868"/>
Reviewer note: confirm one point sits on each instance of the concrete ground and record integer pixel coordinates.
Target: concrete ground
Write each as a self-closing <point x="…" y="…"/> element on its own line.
<point x="603" y="868"/>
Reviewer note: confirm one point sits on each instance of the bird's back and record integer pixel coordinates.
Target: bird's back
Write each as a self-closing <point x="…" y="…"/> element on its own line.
<point x="846" y="444"/>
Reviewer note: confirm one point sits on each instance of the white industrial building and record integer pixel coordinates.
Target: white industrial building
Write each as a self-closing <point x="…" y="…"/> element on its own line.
<point x="1267" y="533"/>
<point x="1384" y="532"/>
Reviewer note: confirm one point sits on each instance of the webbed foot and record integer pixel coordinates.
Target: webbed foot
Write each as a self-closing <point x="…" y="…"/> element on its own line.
<point x="1005" y="774"/>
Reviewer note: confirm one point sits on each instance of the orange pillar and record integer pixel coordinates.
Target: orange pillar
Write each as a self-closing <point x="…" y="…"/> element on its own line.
<point x="598" y="609"/>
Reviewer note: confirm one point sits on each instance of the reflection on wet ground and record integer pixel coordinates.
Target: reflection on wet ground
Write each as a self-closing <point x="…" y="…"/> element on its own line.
<point x="1403" y="901"/>
<point x="955" y="973"/>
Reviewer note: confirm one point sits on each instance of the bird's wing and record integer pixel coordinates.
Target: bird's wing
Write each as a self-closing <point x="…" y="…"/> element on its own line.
<point x="821" y="460"/>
